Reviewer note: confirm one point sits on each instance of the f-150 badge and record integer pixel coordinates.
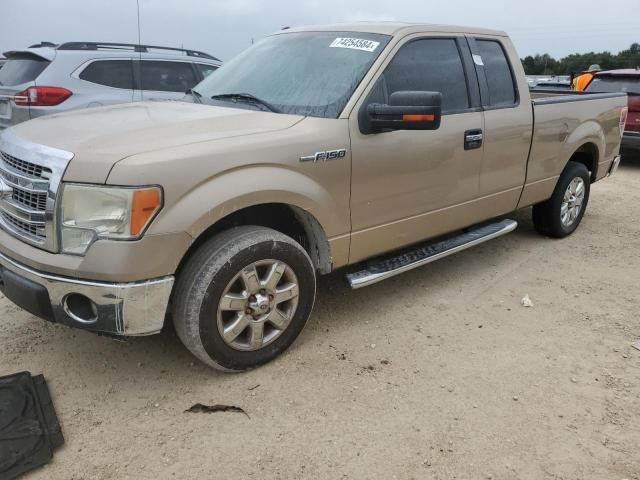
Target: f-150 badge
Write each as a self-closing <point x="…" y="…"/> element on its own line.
<point x="325" y="156"/>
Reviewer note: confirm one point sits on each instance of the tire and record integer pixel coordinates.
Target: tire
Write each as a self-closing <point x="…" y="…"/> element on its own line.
<point x="561" y="215"/>
<point x="243" y="283"/>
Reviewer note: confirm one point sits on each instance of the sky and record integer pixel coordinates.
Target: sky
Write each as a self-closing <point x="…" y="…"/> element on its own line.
<point x="226" y="27"/>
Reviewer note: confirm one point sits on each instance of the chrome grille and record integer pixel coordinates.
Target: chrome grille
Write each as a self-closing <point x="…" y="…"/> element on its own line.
<point x="22" y="167"/>
<point x="30" y="175"/>
<point x="34" y="201"/>
<point x="36" y="231"/>
<point x="24" y="211"/>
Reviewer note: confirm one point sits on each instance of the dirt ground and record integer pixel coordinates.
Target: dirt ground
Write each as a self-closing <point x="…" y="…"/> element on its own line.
<point x="437" y="374"/>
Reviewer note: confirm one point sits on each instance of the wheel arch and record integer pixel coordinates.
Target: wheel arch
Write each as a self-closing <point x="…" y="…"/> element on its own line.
<point x="588" y="154"/>
<point x="586" y="144"/>
<point x="288" y="219"/>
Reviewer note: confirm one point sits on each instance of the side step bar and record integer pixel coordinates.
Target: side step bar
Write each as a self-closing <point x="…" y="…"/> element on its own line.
<point x="382" y="268"/>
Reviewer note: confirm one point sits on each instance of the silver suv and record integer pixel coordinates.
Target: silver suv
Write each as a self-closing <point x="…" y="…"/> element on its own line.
<point x="49" y="78"/>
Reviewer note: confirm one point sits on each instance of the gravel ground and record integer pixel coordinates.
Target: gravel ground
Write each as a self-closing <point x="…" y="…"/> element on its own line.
<point x="437" y="374"/>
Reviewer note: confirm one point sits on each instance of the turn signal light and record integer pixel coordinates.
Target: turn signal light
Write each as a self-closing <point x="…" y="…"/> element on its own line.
<point x="145" y="205"/>
<point x="418" y="118"/>
<point x="42" y="96"/>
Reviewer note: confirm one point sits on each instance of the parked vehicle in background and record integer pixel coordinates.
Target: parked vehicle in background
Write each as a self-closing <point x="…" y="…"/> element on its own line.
<point x="2" y="62"/>
<point x="552" y="85"/>
<point x="562" y="82"/>
<point x="381" y="146"/>
<point x="556" y="82"/>
<point x="48" y="78"/>
<point x="627" y="81"/>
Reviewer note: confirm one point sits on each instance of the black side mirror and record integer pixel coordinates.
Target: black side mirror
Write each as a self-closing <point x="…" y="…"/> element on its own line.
<point x="406" y="111"/>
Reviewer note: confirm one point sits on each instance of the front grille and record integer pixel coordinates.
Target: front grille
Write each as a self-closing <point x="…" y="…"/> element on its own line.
<point x="22" y="167"/>
<point x="35" y="231"/>
<point x="23" y="211"/>
<point x="33" y="201"/>
<point x="30" y="176"/>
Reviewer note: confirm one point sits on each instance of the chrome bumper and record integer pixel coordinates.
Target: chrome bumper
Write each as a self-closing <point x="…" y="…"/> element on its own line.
<point x="128" y="309"/>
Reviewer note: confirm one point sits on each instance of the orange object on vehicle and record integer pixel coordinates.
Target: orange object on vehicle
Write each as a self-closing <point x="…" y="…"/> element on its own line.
<point x="583" y="81"/>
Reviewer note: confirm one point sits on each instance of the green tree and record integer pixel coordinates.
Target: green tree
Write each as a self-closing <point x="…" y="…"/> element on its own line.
<point x="579" y="62"/>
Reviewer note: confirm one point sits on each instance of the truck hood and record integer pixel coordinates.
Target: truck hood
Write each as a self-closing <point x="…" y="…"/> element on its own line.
<point x="100" y="137"/>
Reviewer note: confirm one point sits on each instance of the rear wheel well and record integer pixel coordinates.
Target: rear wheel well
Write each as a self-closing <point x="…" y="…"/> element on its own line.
<point x="289" y="220"/>
<point x="587" y="155"/>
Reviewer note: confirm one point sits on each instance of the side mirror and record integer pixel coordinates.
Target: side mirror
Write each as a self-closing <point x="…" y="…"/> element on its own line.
<point x="406" y="111"/>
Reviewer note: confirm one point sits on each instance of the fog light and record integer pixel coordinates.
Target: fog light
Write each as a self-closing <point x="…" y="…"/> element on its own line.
<point x="81" y="308"/>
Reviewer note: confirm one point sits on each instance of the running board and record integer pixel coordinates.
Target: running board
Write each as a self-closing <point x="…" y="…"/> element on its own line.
<point x="382" y="268"/>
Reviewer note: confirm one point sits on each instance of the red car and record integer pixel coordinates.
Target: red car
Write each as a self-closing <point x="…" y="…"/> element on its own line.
<point x="623" y="81"/>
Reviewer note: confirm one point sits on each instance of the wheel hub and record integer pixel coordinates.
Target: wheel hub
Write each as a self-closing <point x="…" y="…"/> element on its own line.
<point x="259" y="304"/>
<point x="572" y="202"/>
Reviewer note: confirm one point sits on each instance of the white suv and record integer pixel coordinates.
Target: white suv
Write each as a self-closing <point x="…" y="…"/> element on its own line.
<point x="48" y="78"/>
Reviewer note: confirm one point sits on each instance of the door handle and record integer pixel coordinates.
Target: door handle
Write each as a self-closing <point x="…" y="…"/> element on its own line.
<point x="473" y="139"/>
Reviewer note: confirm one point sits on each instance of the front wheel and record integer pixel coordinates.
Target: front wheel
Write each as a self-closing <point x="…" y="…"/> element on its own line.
<point x="244" y="297"/>
<point x="561" y="215"/>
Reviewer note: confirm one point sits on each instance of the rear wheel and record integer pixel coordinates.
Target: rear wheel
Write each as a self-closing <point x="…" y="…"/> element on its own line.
<point x="244" y="297"/>
<point x="561" y="215"/>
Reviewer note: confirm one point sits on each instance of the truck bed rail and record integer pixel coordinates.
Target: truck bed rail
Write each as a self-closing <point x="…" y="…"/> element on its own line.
<point x="564" y="96"/>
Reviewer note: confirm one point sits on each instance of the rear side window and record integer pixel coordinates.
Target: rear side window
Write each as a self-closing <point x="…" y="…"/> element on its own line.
<point x="606" y="84"/>
<point x="22" y="69"/>
<point x="205" y="70"/>
<point x="167" y="76"/>
<point x="111" y="73"/>
<point x="502" y="87"/>
<point x="429" y="65"/>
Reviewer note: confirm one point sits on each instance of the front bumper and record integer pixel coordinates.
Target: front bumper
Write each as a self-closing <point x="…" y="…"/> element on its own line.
<point x="127" y="309"/>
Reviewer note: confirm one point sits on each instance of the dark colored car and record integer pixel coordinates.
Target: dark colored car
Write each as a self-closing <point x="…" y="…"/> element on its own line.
<point x="627" y="81"/>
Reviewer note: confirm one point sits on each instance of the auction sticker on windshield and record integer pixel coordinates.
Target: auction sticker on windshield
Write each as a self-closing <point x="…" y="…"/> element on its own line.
<point x="355" y="44"/>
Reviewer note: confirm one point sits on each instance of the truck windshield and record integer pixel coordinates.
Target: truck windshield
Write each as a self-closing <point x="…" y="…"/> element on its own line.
<point x="306" y="73"/>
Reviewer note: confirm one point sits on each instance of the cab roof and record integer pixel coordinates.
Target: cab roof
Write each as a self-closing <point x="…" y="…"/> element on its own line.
<point x="623" y="72"/>
<point x="394" y="28"/>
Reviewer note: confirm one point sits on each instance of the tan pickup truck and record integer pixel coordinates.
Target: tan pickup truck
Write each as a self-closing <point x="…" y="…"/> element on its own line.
<point x="381" y="147"/>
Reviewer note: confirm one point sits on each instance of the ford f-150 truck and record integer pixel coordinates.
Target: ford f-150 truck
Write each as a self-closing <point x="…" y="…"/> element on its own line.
<point x="376" y="147"/>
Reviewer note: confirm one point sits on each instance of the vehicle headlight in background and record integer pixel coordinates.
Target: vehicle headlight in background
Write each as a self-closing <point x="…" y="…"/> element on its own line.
<point x="89" y="213"/>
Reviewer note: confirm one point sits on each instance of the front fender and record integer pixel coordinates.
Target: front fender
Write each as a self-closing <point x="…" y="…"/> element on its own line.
<point x="205" y="182"/>
<point x="230" y="191"/>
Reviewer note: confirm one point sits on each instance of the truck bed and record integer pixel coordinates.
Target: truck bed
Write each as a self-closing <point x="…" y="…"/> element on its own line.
<point x="589" y="124"/>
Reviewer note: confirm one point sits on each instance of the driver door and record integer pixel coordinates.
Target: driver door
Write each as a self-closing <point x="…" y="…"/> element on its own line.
<point x="411" y="185"/>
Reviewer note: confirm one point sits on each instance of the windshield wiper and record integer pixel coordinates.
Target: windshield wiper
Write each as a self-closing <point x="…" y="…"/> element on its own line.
<point x="246" y="97"/>
<point x="197" y="96"/>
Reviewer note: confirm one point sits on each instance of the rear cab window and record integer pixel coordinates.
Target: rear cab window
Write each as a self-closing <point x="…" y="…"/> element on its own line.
<point x="499" y="86"/>
<point x="110" y="73"/>
<point x="22" y="68"/>
<point x="167" y="76"/>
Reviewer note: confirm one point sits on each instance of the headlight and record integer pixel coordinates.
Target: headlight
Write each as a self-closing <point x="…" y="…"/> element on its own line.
<point x="89" y="213"/>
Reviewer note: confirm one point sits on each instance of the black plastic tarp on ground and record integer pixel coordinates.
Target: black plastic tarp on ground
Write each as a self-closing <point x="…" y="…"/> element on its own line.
<point x="29" y="427"/>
